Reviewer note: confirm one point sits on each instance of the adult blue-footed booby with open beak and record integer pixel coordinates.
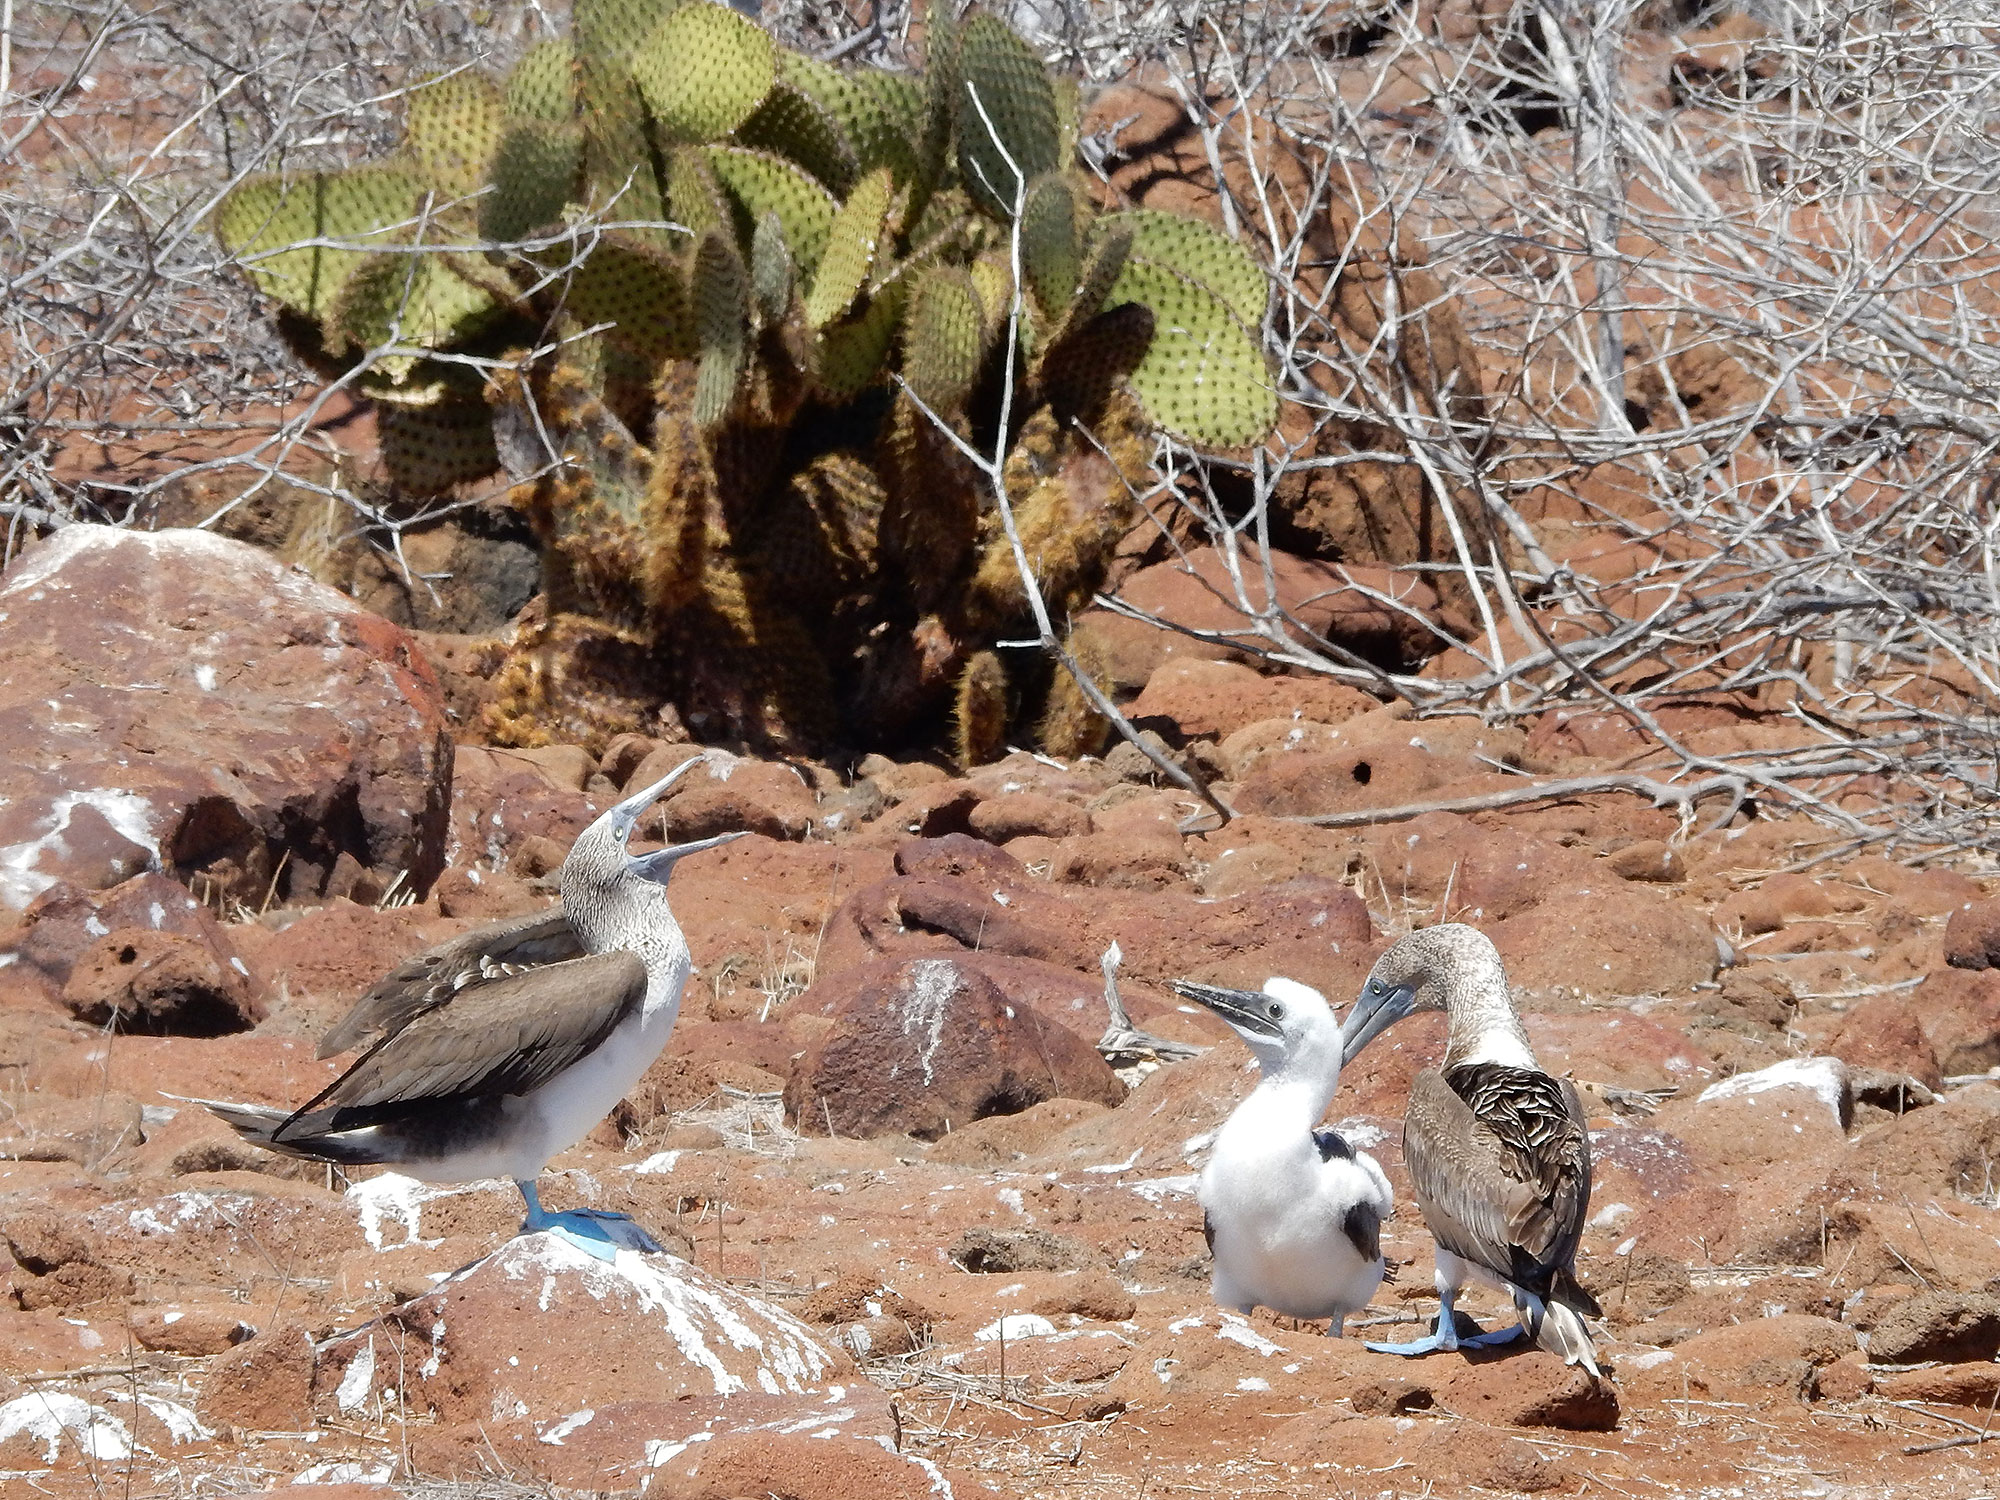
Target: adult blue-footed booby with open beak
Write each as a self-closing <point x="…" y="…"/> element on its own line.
<point x="1292" y="1213"/>
<point x="500" y="1049"/>
<point x="1496" y="1148"/>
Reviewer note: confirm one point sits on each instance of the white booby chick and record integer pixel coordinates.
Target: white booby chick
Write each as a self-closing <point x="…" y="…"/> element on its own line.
<point x="1292" y="1213"/>
<point x="1497" y="1149"/>
<point x="500" y="1049"/>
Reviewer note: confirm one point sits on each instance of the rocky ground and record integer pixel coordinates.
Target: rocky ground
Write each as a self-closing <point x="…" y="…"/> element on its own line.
<point x="231" y="799"/>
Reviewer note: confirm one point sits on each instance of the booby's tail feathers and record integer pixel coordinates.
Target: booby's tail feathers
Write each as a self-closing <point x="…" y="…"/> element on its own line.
<point x="1558" y="1329"/>
<point x="258" y="1124"/>
<point x="1574" y="1294"/>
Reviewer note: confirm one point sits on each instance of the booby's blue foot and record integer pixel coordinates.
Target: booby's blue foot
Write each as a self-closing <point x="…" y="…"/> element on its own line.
<point x="596" y="1231"/>
<point x="1492" y="1340"/>
<point x="1429" y="1344"/>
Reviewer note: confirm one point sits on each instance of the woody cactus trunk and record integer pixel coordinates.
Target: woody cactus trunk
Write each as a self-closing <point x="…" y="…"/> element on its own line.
<point x="724" y="313"/>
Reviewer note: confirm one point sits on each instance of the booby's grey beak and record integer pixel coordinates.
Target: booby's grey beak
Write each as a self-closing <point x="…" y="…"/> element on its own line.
<point x="624" y="816"/>
<point x="1381" y="1006"/>
<point x="1248" y="1013"/>
<point x="658" y="865"/>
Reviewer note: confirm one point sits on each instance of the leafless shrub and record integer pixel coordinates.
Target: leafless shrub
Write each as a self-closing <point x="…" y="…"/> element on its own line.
<point x="1735" y="313"/>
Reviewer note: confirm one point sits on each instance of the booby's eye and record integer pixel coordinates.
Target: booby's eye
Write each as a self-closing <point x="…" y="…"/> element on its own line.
<point x="1276" y="1012"/>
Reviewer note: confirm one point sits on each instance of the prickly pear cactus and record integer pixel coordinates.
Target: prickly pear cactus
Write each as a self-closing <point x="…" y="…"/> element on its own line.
<point x="772" y="301"/>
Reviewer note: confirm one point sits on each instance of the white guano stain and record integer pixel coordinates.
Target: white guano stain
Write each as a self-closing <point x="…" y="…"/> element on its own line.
<point x="357" y="1379"/>
<point x="933" y="983"/>
<point x="696" y="1315"/>
<point x="21" y="876"/>
<point x="47" y="1417"/>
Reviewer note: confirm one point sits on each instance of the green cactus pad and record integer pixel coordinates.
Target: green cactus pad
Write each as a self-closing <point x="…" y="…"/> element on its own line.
<point x="533" y="178"/>
<point x="1020" y="106"/>
<point x="703" y="70"/>
<point x="856" y="239"/>
<point x="853" y="354"/>
<point x="606" y="33"/>
<point x="1079" y="373"/>
<point x="761" y="183"/>
<point x="264" y="216"/>
<point x="1101" y="269"/>
<point x="772" y="275"/>
<point x="407" y="299"/>
<point x="1204" y="375"/>
<point x="944" y="336"/>
<point x="1050" y="257"/>
<point x="641" y="291"/>
<point x="879" y="115"/>
<point x="694" y="196"/>
<point x="451" y="129"/>
<point x="1199" y="252"/>
<point x="427" y="450"/>
<point x="793" y="124"/>
<point x="994" y="279"/>
<point x="942" y="96"/>
<point x="542" y="85"/>
<point x="722" y="316"/>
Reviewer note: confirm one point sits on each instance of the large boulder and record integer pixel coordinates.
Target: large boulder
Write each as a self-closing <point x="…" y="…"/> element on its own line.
<point x="178" y="701"/>
<point x="542" y="1330"/>
<point x="923" y="1045"/>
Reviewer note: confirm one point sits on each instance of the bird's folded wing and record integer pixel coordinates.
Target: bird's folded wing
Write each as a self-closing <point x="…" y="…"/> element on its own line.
<point x="433" y="976"/>
<point x="1506" y="1189"/>
<point x="500" y="1036"/>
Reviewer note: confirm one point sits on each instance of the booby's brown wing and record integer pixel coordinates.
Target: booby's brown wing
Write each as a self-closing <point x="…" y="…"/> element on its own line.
<point x="501" y="1036"/>
<point x="430" y="978"/>
<point x="1500" y="1160"/>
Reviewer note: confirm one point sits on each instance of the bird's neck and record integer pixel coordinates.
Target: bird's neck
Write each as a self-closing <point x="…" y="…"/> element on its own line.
<point x="1291" y="1098"/>
<point x="641" y="924"/>
<point x="1485" y="1029"/>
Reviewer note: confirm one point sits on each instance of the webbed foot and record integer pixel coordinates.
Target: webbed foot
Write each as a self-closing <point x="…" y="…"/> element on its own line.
<point x="1430" y="1343"/>
<point x="597" y="1232"/>
<point x="1492" y="1340"/>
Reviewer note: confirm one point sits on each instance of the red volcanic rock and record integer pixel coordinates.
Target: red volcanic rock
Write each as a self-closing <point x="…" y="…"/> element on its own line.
<point x="1567" y="734"/>
<point x="165" y="983"/>
<point x="1653" y="860"/>
<point x="1531" y="1389"/>
<point x="1121" y="861"/>
<point x="500" y="805"/>
<point x="1960" y="1014"/>
<point x="1885" y="1032"/>
<point x="64" y="920"/>
<point x="265" y="1385"/>
<point x="483" y="1345"/>
<point x="1779" y="1355"/>
<point x="1185" y="699"/>
<point x="1975" y="1384"/>
<point x="1947" y="1149"/>
<point x="1379" y="775"/>
<point x="1014" y="814"/>
<point x="198" y="1330"/>
<point x="1972" y="936"/>
<point x="1479" y="875"/>
<point x="1196" y="593"/>
<point x="1609" y="938"/>
<point x="799" y="1466"/>
<point x="1947" y="1326"/>
<point x="48" y="1127"/>
<point x="923" y="1045"/>
<point x="183" y="701"/>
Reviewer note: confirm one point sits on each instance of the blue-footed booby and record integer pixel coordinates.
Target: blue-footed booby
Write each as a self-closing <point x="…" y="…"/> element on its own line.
<point x="491" y="1053"/>
<point x="1496" y="1148"/>
<point x="1292" y="1213"/>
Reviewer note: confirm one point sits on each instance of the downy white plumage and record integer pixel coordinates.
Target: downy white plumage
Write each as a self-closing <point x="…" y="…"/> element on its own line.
<point x="1292" y="1212"/>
